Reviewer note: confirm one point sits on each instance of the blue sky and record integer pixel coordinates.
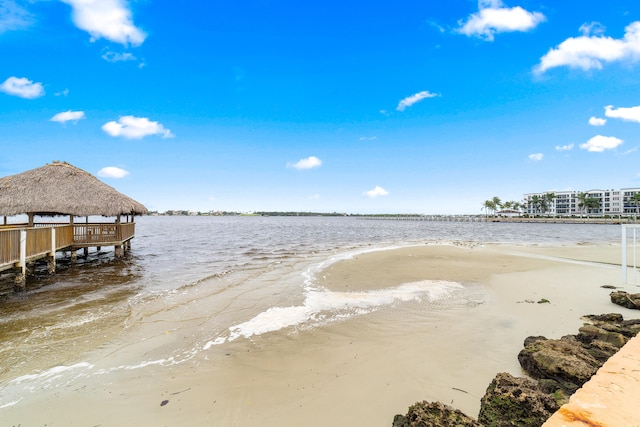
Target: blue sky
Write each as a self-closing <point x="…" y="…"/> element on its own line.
<point x="358" y="107"/>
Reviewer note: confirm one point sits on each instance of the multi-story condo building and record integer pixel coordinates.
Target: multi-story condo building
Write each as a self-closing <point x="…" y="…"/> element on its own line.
<point x="568" y="203"/>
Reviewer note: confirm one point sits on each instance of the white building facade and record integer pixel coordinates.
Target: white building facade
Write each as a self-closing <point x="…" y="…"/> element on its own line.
<point x="567" y="203"/>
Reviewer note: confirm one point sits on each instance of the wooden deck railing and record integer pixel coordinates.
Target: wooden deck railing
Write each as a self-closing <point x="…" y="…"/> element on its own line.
<point x="127" y="231"/>
<point x="9" y="246"/>
<point x="94" y="234"/>
<point x="44" y="239"/>
<point x="39" y="242"/>
<point x="64" y="236"/>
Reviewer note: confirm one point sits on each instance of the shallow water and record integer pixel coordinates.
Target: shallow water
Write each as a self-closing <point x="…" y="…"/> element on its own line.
<point x="208" y="281"/>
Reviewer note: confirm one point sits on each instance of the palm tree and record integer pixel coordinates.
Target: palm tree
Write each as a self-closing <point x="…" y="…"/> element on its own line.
<point x="582" y="201"/>
<point x="535" y="203"/>
<point x="549" y="199"/>
<point x="544" y="206"/>
<point x="593" y="203"/>
<point x="497" y="202"/>
<point x="635" y="199"/>
<point x="586" y="203"/>
<point x="517" y="206"/>
<point x="488" y="206"/>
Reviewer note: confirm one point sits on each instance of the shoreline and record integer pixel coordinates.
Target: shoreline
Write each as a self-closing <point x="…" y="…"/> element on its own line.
<point x="366" y="368"/>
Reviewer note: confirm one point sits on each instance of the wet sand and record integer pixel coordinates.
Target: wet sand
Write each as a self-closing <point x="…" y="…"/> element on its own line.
<point x="365" y="369"/>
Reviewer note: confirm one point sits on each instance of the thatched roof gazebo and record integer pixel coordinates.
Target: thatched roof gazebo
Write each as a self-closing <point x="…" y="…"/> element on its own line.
<point x="61" y="189"/>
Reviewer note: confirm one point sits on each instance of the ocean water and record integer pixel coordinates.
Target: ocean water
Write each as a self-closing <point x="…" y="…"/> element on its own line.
<point x="227" y="278"/>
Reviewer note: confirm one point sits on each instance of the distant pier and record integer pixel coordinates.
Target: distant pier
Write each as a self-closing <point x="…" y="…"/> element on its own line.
<point x="482" y="218"/>
<point x="445" y="218"/>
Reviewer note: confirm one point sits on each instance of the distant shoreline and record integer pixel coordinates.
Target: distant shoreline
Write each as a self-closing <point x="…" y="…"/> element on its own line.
<point x="423" y="217"/>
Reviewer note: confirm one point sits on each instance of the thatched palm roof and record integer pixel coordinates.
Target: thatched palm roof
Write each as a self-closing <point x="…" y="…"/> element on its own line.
<point x="60" y="188"/>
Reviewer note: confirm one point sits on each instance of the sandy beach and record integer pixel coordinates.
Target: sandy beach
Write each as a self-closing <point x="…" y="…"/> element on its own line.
<point x="360" y="371"/>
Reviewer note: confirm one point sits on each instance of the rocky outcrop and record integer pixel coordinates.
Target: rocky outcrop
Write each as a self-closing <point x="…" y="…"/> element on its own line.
<point x="564" y="361"/>
<point x="558" y="368"/>
<point x="614" y="322"/>
<point x="511" y="401"/>
<point x="425" y="414"/>
<point x="625" y="299"/>
<point x="565" y="364"/>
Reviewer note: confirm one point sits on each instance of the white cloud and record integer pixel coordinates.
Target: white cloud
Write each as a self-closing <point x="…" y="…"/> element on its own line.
<point x="67" y="116"/>
<point x="131" y="127"/>
<point x="112" y="172"/>
<point x="376" y="192"/>
<point x="564" y="147"/>
<point x="314" y="197"/>
<point x="367" y="138"/>
<point x="410" y="100"/>
<point x="592" y="29"/>
<point x="62" y="93"/>
<point x="308" y="163"/>
<point x="110" y="56"/>
<point x="536" y="157"/>
<point x="493" y="17"/>
<point x="629" y="114"/>
<point x="590" y="51"/>
<point x="13" y="16"/>
<point x="109" y="19"/>
<point x="437" y="26"/>
<point x="22" y="87"/>
<point x="600" y="143"/>
<point x="597" y="121"/>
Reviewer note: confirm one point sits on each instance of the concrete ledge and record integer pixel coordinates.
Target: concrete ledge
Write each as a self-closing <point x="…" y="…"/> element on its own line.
<point x="610" y="397"/>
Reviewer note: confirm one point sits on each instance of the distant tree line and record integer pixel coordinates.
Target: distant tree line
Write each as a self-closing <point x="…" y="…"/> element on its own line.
<point x="174" y="212"/>
<point x="300" y="214"/>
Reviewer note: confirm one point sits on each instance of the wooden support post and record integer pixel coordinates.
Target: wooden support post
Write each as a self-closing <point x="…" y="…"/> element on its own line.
<point x="133" y="218"/>
<point x="51" y="266"/>
<point x="74" y="255"/>
<point x="624" y="254"/>
<point x="23" y="251"/>
<point x="31" y="217"/>
<point x="85" y="252"/>
<point x="21" y="278"/>
<point x="20" y="283"/>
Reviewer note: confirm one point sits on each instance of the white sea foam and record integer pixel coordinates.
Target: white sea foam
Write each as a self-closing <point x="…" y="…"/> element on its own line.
<point x="326" y="305"/>
<point x="160" y="362"/>
<point x="52" y="373"/>
<point x="6" y="405"/>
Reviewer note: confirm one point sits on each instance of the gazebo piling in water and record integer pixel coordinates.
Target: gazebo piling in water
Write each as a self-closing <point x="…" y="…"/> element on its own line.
<point x="60" y="189"/>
